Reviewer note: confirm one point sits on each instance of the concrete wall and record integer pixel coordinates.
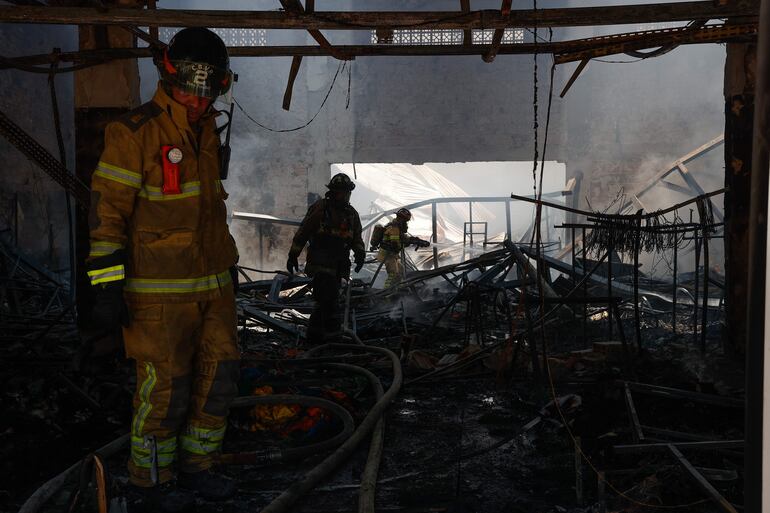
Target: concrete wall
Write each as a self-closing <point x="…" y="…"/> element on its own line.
<point x="627" y="121"/>
<point x="26" y="100"/>
<point x="618" y="124"/>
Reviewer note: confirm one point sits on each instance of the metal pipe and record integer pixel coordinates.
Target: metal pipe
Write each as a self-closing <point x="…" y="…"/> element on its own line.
<point x="756" y="455"/>
<point x="585" y="286"/>
<point x="705" y="312"/>
<point x="676" y="271"/>
<point x="637" y="315"/>
<point x="508" y="219"/>
<point x="697" y="291"/>
<point x="470" y="219"/>
<point x="609" y="281"/>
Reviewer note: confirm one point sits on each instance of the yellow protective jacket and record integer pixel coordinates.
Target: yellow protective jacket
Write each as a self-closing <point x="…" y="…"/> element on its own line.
<point x="394" y="238"/>
<point x="178" y="247"/>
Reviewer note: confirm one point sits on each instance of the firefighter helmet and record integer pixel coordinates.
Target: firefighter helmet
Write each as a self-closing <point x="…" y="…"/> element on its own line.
<point x="196" y="62"/>
<point x="341" y="182"/>
<point x="404" y="214"/>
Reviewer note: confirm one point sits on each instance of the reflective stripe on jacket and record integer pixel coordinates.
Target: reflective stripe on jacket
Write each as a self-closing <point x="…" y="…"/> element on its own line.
<point x="392" y="238"/>
<point x="178" y="246"/>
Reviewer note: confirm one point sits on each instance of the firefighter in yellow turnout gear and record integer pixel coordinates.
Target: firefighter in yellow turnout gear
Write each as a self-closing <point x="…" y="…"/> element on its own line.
<point x="394" y="239"/>
<point x="162" y="262"/>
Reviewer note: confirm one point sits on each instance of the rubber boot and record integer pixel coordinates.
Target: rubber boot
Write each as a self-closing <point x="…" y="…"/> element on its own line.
<point x="209" y="485"/>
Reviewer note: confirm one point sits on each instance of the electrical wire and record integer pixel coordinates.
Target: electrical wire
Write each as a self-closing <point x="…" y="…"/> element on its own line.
<point x="63" y="160"/>
<point x="350" y="72"/>
<point x="340" y="67"/>
<point x="13" y="64"/>
<point x="616" y="62"/>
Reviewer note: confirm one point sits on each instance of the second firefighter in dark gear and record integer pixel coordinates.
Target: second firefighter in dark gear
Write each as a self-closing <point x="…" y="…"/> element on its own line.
<point x="394" y="240"/>
<point x="333" y="228"/>
<point x="160" y="246"/>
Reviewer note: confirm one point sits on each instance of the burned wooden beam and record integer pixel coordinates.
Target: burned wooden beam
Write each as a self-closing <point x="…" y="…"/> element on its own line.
<point x="497" y="37"/>
<point x="629" y="43"/>
<point x="702" y="482"/>
<point x="296" y="62"/>
<point x="636" y="429"/>
<point x="295" y="7"/>
<point x="100" y="56"/>
<point x="465" y="6"/>
<point x="664" y="447"/>
<point x="349" y="20"/>
<point x="675" y="393"/>
<point x="574" y="77"/>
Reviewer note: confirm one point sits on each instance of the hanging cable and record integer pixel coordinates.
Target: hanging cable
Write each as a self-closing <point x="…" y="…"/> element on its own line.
<point x="63" y="160"/>
<point x="347" y="101"/>
<point x="12" y="63"/>
<point x="275" y="130"/>
<point x="534" y="106"/>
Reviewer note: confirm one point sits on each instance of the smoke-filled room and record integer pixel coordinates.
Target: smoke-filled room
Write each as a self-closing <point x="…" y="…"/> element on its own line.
<point x="384" y="256"/>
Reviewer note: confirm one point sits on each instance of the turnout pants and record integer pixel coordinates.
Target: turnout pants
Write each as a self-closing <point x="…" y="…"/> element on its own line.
<point x="393" y="267"/>
<point x="187" y="368"/>
<point x="325" y="317"/>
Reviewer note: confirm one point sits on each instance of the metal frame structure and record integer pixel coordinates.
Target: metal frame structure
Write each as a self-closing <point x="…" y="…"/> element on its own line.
<point x="369" y="220"/>
<point x="741" y="14"/>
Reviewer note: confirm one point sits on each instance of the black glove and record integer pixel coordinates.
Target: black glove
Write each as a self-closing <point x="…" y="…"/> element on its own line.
<point x="360" y="258"/>
<point x="292" y="265"/>
<point x="110" y="310"/>
<point x="234" y="278"/>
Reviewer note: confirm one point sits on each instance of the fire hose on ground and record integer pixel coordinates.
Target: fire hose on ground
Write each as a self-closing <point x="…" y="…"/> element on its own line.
<point x="290" y="496"/>
<point x="366" y="493"/>
<point x="346" y="441"/>
<point x="275" y="455"/>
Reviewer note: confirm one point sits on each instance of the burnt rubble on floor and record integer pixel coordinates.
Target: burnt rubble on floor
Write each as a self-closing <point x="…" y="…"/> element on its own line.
<point x="510" y="381"/>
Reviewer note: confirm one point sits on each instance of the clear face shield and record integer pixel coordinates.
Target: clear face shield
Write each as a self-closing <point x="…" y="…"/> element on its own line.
<point x="198" y="79"/>
<point x="226" y="97"/>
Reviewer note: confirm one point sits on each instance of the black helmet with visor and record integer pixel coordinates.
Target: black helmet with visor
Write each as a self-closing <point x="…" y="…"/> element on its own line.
<point x="196" y="62"/>
<point x="341" y="182"/>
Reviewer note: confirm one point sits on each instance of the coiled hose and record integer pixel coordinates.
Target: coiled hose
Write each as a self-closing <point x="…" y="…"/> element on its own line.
<point x="274" y="455"/>
<point x="289" y="497"/>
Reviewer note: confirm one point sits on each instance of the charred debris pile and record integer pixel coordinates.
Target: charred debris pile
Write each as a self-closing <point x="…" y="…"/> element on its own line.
<point x="523" y="379"/>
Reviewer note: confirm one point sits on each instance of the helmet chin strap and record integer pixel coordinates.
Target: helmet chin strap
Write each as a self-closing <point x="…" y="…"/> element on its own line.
<point x="224" y="154"/>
